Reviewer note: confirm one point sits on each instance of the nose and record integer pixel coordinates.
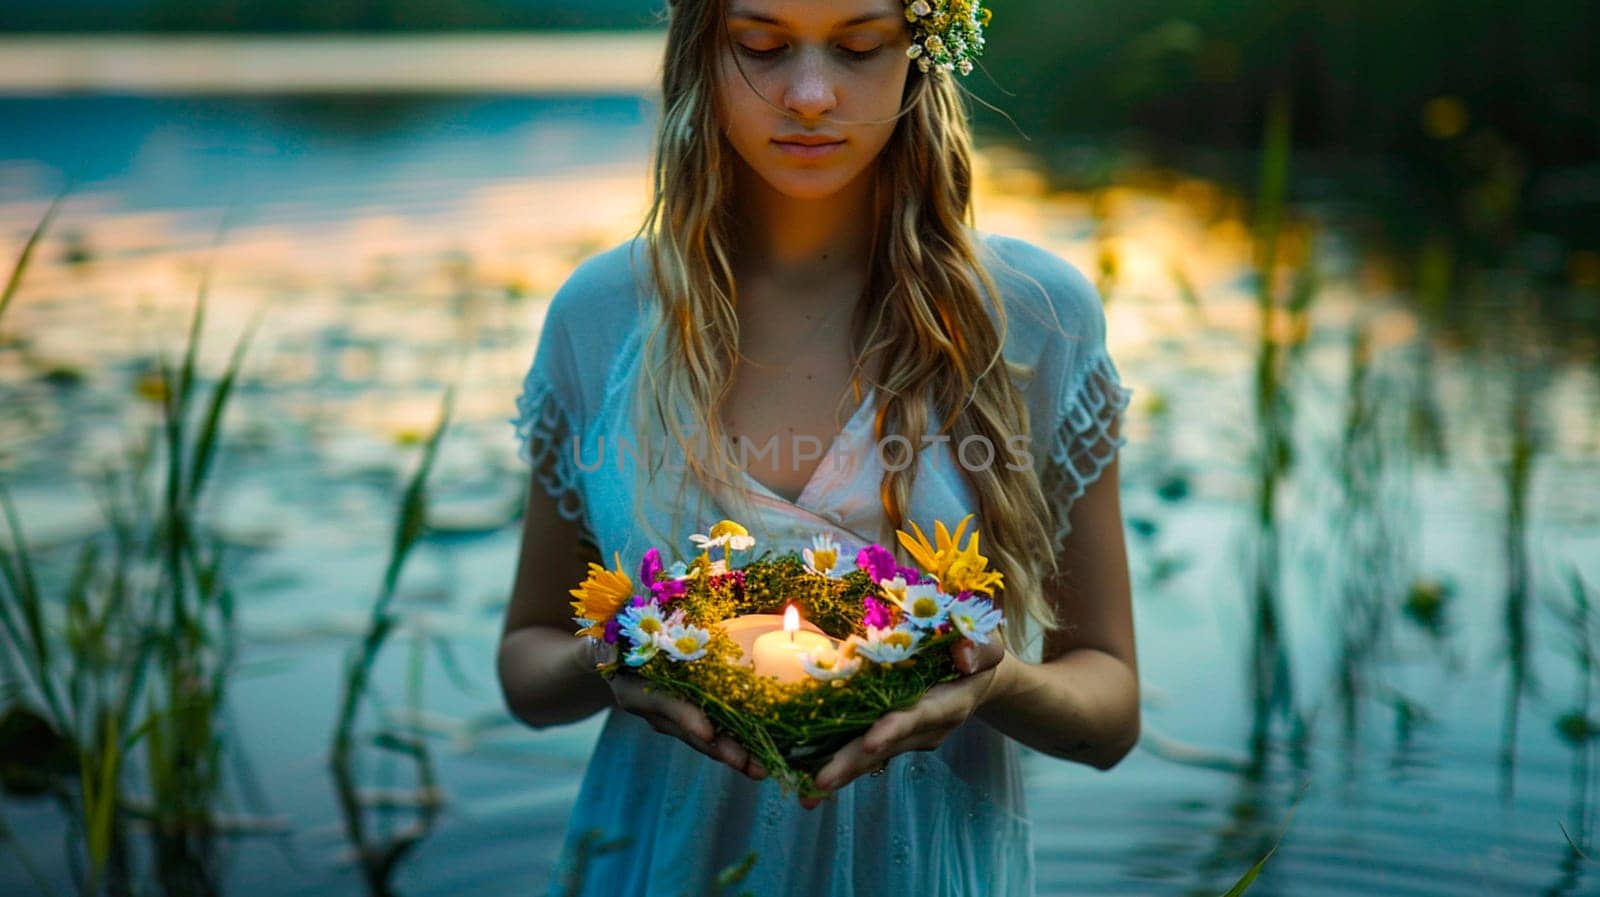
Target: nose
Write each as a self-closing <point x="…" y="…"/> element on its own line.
<point x="810" y="91"/>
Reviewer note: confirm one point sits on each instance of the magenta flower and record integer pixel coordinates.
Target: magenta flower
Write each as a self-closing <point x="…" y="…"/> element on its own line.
<point x="650" y="566"/>
<point x="880" y="563"/>
<point x="877" y="561"/>
<point x="877" y="613"/>
<point x="666" y="591"/>
<point x="650" y="569"/>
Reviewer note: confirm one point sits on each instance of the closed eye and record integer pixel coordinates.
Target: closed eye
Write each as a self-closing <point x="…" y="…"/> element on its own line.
<point x="857" y="55"/>
<point x="760" y="54"/>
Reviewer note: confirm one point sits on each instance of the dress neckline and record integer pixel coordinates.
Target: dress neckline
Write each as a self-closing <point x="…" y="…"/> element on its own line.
<point x="805" y="500"/>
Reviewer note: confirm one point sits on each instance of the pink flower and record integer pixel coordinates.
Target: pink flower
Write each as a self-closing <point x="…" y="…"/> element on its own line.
<point x="650" y="570"/>
<point x="881" y="565"/>
<point x="877" y="613"/>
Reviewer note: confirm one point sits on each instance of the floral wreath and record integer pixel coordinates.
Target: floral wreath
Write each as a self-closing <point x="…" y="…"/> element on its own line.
<point x="880" y="635"/>
<point x="946" y="34"/>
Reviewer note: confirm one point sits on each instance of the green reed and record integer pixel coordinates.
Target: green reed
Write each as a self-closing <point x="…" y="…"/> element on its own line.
<point x="128" y="665"/>
<point x="1524" y="443"/>
<point x="377" y="855"/>
<point x="23" y="258"/>
<point x="1283" y="330"/>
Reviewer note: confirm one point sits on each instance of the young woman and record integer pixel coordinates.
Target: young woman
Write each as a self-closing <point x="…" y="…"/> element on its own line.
<point x="808" y="295"/>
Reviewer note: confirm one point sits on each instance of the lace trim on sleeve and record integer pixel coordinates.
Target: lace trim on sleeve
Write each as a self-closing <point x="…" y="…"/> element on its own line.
<point x="1082" y="444"/>
<point x="545" y="442"/>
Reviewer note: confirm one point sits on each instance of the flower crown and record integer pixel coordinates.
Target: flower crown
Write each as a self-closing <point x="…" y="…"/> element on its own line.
<point x="946" y="34"/>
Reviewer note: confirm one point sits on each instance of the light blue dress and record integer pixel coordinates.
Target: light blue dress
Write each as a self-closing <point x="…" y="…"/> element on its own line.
<point x="951" y="821"/>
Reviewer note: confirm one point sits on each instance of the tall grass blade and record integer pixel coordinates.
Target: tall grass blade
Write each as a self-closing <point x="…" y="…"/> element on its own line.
<point x="15" y="279"/>
<point x="205" y="447"/>
<point x="1243" y="884"/>
<point x="23" y="587"/>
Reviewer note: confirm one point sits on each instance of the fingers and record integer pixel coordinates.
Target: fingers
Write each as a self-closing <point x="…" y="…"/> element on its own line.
<point x="682" y="720"/>
<point x="923" y="727"/>
<point x="972" y="657"/>
<point x="855" y="760"/>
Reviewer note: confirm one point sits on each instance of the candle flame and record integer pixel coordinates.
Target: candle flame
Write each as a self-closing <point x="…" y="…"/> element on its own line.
<point x="791" y="621"/>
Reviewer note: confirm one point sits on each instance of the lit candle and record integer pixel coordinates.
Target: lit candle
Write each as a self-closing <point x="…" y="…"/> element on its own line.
<point x="746" y="628"/>
<point x="778" y="653"/>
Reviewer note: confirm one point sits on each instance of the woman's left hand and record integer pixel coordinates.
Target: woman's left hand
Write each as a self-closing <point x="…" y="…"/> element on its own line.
<point x="921" y="727"/>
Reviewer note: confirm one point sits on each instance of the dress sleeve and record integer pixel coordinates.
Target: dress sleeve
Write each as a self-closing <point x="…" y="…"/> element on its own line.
<point x="549" y="422"/>
<point x="1083" y="400"/>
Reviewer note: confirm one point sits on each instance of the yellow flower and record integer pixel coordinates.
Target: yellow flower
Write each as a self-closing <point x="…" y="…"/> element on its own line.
<point x="600" y="595"/>
<point x="958" y="569"/>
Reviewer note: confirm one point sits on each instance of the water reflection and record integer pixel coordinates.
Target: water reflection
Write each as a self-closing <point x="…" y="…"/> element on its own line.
<point x="1336" y="447"/>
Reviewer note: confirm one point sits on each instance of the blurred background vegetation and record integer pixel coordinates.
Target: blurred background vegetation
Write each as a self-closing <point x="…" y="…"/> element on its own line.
<point x="1480" y="118"/>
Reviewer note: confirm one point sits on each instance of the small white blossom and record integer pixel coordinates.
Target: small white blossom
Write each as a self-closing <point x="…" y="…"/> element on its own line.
<point x="684" y="641"/>
<point x="889" y="645"/>
<point x="975" y="618"/>
<point x="827" y="664"/>
<point x="823" y="555"/>
<point x="642" y="652"/>
<point x="732" y="540"/>
<point x="922" y="604"/>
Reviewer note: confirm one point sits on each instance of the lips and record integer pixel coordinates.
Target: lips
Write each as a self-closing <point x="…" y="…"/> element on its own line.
<point x="808" y="139"/>
<point x="809" y="148"/>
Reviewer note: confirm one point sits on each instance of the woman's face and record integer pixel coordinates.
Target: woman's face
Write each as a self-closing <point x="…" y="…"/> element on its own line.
<point x="818" y="60"/>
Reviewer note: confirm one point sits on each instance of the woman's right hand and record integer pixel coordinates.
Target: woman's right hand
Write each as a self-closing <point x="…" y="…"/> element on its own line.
<point x="672" y="715"/>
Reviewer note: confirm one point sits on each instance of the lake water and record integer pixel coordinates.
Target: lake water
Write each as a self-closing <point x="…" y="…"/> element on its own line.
<point x="1403" y="677"/>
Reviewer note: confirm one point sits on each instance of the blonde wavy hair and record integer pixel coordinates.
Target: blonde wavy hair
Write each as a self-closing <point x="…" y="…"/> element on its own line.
<point x="927" y="299"/>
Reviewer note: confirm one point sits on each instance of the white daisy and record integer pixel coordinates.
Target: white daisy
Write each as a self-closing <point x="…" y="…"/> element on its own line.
<point x="684" y="641"/>
<point x="642" y="623"/>
<point x="923" y="604"/>
<point x="975" y="617"/>
<point x="889" y="645"/>
<point x="728" y="534"/>
<point x="642" y="652"/>
<point x="827" y="664"/>
<point x="706" y="542"/>
<point x="822" y="556"/>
